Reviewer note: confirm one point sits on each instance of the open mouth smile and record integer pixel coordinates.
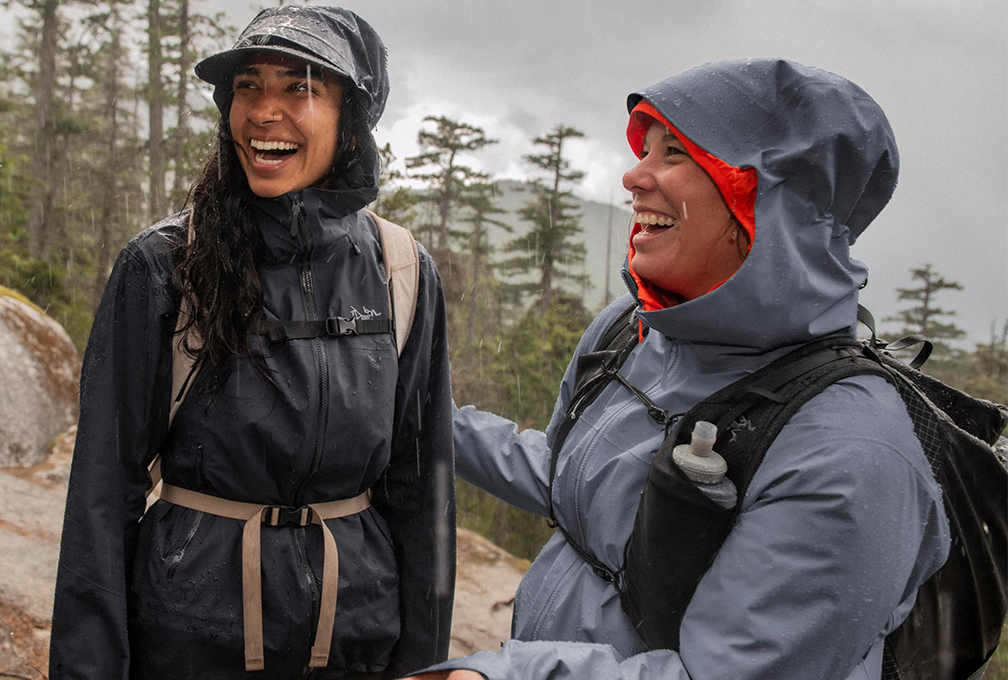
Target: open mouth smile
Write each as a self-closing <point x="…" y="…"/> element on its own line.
<point x="649" y="220"/>
<point x="272" y="153"/>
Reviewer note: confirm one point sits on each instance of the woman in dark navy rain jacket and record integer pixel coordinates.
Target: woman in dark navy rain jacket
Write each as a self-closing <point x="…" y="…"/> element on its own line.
<point x="277" y="233"/>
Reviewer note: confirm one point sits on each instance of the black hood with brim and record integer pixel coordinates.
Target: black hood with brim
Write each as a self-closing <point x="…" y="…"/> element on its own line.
<point x="331" y="38"/>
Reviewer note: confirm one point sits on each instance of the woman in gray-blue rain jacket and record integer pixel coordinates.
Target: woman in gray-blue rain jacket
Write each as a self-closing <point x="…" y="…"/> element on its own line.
<point x="843" y="520"/>
<point x="278" y="234"/>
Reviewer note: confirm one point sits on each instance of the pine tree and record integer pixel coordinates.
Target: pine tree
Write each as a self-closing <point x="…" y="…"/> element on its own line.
<point x="481" y="204"/>
<point x="552" y="247"/>
<point x="923" y="317"/>
<point x="192" y="36"/>
<point x="42" y="166"/>
<point x="111" y="222"/>
<point x="155" y="96"/>
<point x="446" y="175"/>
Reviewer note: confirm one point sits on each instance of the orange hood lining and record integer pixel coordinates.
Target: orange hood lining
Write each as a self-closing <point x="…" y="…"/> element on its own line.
<point x="737" y="187"/>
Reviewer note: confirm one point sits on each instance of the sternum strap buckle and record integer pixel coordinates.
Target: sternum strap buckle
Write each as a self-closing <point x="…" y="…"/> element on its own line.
<point x="286" y="515"/>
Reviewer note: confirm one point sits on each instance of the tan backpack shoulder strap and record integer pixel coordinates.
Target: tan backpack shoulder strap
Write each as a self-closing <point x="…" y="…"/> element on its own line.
<point x="402" y="265"/>
<point x="184" y="370"/>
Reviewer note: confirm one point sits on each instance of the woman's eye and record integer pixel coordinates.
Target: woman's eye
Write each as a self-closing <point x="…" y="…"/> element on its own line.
<point x="673" y="150"/>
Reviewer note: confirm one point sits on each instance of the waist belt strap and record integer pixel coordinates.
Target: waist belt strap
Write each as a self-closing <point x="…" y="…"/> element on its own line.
<point x="255" y="515"/>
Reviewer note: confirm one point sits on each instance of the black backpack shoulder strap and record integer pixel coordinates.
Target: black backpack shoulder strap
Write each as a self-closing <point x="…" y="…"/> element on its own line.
<point x="672" y="512"/>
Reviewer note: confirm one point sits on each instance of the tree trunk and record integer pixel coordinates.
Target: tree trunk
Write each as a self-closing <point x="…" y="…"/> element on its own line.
<point x="41" y="208"/>
<point x="477" y="266"/>
<point x="155" y="109"/>
<point x="546" y="286"/>
<point x="107" y="228"/>
<point x="179" y="187"/>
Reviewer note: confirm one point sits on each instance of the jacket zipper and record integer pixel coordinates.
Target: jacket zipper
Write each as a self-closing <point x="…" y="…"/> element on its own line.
<point x="308" y="292"/>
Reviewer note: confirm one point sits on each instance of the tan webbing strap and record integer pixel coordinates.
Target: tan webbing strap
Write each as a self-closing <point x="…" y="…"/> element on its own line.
<point x="255" y="516"/>
<point x="184" y="370"/>
<point x="402" y="266"/>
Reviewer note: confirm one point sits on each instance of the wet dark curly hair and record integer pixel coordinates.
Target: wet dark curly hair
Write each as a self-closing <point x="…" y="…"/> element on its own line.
<point x="218" y="272"/>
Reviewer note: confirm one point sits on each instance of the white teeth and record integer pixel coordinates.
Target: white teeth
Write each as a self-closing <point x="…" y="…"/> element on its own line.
<point x="272" y="146"/>
<point x="262" y="159"/>
<point x="648" y="219"/>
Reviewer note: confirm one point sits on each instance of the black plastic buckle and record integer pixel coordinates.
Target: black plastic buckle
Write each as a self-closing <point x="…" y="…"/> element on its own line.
<point x="337" y="325"/>
<point x="604" y="574"/>
<point x="287" y="515"/>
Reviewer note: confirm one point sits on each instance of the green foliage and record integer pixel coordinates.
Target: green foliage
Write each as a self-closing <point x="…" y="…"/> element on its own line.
<point x="517" y="375"/>
<point x="982" y="373"/>
<point x="395" y="203"/>
<point x="483" y="293"/>
<point x="998" y="668"/>
<point x="533" y="356"/>
<point x="45" y="282"/>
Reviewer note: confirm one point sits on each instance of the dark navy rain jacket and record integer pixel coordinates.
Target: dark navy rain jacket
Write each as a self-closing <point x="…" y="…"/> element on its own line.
<point x="160" y="597"/>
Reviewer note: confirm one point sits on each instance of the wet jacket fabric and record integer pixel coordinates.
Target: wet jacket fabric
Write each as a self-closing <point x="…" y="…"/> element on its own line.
<point x="160" y="597"/>
<point x="843" y="520"/>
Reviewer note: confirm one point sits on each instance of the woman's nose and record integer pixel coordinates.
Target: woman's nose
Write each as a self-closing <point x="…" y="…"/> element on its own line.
<point x="265" y="109"/>
<point x="638" y="178"/>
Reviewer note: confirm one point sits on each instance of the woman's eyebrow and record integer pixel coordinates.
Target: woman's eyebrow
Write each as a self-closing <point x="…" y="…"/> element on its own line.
<point x="298" y="73"/>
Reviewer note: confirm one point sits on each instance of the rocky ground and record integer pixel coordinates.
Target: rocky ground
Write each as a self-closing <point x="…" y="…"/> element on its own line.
<point x="31" y="515"/>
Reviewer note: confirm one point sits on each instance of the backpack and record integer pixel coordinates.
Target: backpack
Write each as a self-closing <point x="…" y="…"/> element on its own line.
<point x="956" y="621"/>
<point x="402" y="267"/>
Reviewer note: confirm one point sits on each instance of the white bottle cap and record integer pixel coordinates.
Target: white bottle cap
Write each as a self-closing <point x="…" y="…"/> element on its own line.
<point x="698" y="459"/>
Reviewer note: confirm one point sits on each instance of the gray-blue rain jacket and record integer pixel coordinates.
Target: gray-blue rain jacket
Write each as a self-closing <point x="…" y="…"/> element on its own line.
<point x="842" y="522"/>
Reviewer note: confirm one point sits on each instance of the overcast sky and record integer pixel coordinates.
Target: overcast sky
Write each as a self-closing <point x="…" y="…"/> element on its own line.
<point x="939" y="69"/>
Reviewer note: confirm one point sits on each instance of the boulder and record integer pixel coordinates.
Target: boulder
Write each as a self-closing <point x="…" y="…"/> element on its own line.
<point x="39" y="377"/>
<point x="485" y="585"/>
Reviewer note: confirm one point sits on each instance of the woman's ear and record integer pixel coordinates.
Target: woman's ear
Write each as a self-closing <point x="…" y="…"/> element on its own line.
<point x="742" y="237"/>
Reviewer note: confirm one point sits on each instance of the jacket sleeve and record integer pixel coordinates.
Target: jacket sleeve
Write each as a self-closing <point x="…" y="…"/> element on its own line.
<point x="416" y="495"/>
<point x="125" y="381"/>
<point x="841" y="525"/>
<point x="491" y="453"/>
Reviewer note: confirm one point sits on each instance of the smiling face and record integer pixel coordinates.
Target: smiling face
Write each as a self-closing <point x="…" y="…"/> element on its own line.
<point x="284" y="120"/>
<point x="685" y="239"/>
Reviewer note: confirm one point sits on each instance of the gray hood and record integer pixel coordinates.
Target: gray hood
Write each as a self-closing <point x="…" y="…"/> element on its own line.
<point x="827" y="163"/>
